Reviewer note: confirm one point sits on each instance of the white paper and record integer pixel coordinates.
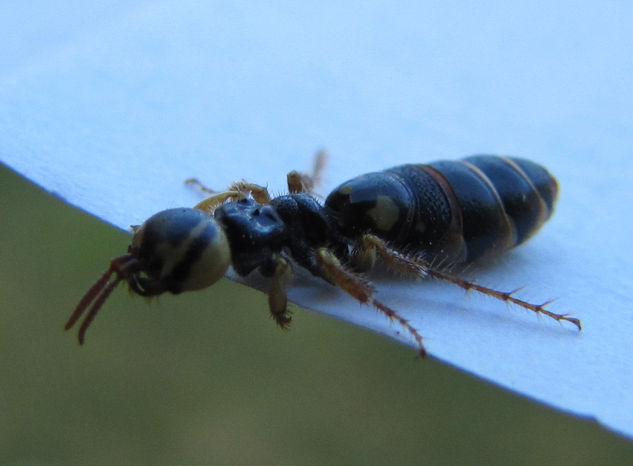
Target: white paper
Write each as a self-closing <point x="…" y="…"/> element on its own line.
<point x="112" y="110"/>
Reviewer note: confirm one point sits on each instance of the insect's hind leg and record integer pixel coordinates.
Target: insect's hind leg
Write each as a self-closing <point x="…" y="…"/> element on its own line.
<point x="417" y="267"/>
<point x="361" y="289"/>
<point x="507" y="296"/>
<point x="370" y="246"/>
<point x="307" y="182"/>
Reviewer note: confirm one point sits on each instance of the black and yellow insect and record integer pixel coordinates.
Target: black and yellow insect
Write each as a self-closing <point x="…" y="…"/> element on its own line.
<point x="416" y="219"/>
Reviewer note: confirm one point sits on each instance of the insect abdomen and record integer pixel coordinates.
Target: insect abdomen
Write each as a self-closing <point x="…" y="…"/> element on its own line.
<point x="459" y="210"/>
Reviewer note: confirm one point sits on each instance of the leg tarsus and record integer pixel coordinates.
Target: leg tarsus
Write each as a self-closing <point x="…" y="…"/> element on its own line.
<point x="507" y="296"/>
<point x="198" y="184"/>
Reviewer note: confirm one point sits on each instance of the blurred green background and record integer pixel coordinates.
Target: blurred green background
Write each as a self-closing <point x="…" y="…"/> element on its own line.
<point x="207" y="378"/>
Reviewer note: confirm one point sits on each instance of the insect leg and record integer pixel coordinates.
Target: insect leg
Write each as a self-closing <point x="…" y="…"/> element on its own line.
<point x="418" y="267"/>
<point x="209" y="204"/>
<point x="304" y="182"/>
<point x="361" y="289"/>
<point x="397" y="262"/>
<point x="259" y="193"/>
<point x="277" y="299"/>
<point x="238" y="190"/>
<point x="198" y="184"/>
<point x="507" y="296"/>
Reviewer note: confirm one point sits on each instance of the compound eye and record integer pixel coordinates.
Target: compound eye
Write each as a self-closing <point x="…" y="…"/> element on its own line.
<point x="181" y="250"/>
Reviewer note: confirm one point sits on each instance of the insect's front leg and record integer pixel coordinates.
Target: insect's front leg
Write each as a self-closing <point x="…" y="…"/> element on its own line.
<point x="209" y="204"/>
<point x="236" y="191"/>
<point x="259" y="193"/>
<point x="277" y="299"/>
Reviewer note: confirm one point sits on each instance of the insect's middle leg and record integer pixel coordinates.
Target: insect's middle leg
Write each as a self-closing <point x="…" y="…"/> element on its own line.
<point x="306" y="182"/>
<point x="361" y="289"/>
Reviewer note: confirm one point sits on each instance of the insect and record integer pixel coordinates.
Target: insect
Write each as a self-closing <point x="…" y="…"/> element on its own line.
<point x="416" y="219"/>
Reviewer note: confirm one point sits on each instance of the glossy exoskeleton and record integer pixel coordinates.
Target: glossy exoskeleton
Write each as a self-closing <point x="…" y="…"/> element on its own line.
<point x="417" y="219"/>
